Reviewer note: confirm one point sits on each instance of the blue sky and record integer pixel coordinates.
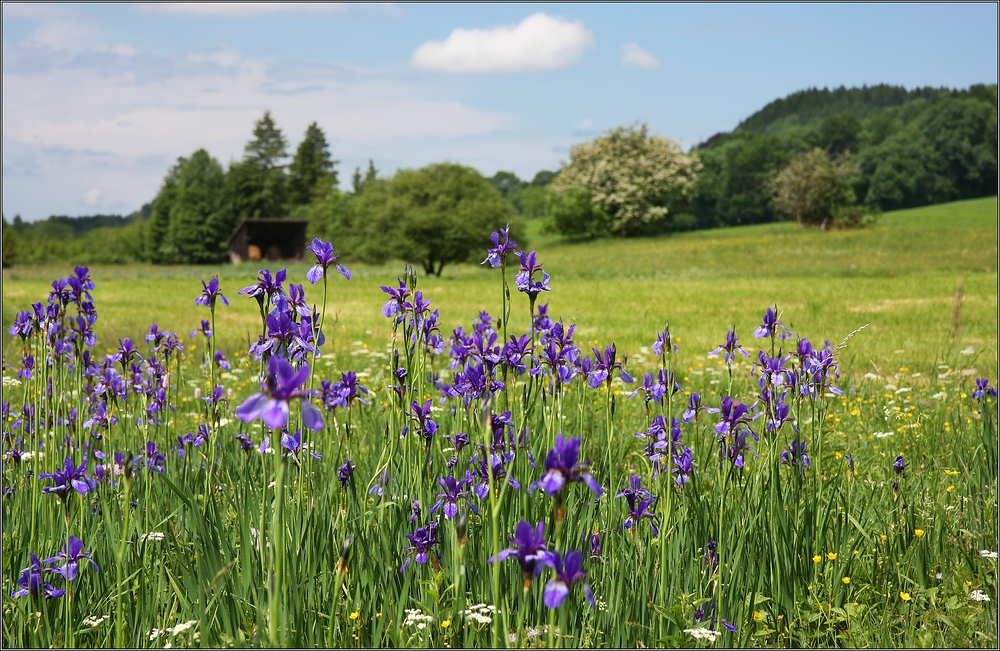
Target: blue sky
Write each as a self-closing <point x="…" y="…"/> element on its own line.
<point x="99" y="100"/>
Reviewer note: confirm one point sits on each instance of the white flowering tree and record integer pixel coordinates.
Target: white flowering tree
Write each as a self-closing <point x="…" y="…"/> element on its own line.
<point x="631" y="179"/>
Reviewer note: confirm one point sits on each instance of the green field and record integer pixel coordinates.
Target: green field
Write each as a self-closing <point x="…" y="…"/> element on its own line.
<point x="887" y="537"/>
<point x="899" y="276"/>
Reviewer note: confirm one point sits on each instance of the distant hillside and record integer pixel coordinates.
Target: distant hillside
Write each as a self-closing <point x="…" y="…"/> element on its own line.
<point x="911" y="147"/>
<point x="810" y="107"/>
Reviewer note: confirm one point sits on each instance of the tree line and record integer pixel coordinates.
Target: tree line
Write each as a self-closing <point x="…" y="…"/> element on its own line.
<point x="819" y="156"/>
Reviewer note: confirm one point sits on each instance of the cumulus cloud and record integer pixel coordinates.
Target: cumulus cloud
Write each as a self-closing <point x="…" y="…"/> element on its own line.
<point x="634" y="56"/>
<point x="539" y="42"/>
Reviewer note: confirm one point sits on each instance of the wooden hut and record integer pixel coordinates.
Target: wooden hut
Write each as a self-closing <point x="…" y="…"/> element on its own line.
<point x="268" y="239"/>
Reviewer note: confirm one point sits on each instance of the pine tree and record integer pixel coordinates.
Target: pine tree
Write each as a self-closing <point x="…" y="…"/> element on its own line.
<point x="311" y="172"/>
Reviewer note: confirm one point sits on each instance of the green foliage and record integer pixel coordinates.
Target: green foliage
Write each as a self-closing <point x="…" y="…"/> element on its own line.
<point x="575" y="215"/>
<point x="9" y="239"/>
<point x="813" y="190"/>
<point x="437" y="215"/>
<point x="189" y="222"/>
<point x="632" y="177"/>
<point x="732" y="187"/>
<point x="311" y="172"/>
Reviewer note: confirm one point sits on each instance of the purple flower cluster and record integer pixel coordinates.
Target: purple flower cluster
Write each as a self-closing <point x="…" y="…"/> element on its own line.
<point x="31" y="581"/>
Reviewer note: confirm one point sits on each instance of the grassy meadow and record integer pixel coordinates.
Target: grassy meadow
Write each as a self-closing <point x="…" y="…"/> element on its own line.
<point x="864" y="516"/>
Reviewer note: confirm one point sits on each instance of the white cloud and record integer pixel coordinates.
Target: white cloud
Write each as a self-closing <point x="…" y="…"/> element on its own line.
<point x="237" y="9"/>
<point x="585" y="124"/>
<point x="634" y="56"/>
<point x="539" y="42"/>
<point x="92" y="197"/>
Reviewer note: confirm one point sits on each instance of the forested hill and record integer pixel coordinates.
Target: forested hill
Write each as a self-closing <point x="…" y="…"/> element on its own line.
<point x="810" y="107"/>
<point x="910" y="148"/>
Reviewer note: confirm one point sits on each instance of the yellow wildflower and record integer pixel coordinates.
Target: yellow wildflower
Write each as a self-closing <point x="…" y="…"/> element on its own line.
<point x="919" y="533"/>
<point x="446" y="623"/>
<point x="951" y="473"/>
<point x="951" y="489"/>
<point x="757" y="616"/>
<point x="832" y="555"/>
<point x="884" y="537"/>
<point x="905" y="596"/>
<point x="817" y="558"/>
<point x="355" y="614"/>
<point x="846" y="580"/>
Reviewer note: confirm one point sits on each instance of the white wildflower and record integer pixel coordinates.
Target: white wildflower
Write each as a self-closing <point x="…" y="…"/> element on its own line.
<point x="180" y="628"/>
<point x="415" y="617"/>
<point x="152" y="536"/>
<point x="979" y="595"/>
<point x="872" y="376"/>
<point x="882" y="435"/>
<point x="95" y="621"/>
<point x="967" y="351"/>
<point x="702" y="634"/>
<point x="985" y="553"/>
<point x="903" y="390"/>
<point x="9" y="382"/>
<point x="940" y="395"/>
<point x="223" y="422"/>
<point x="939" y="576"/>
<point x="155" y="633"/>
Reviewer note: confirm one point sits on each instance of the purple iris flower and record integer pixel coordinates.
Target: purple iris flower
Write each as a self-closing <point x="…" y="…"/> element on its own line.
<point x="344" y="393"/>
<point x="711" y="557"/>
<point x="605" y="365"/>
<point x="271" y="403"/>
<point x="71" y="555"/>
<point x="773" y="373"/>
<point x="821" y="366"/>
<point x="267" y="288"/>
<point x="528" y="547"/>
<point x="502" y="245"/>
<point x="568" y="571"/>
<point x="70" y="476"/>
<point x="735" y="418"/>
<point x="652" y="391"/>
<point x="454" y="491"/>
<point x="397" y="304"/>
<point x="683" y="466"/>
<point x="693" y="412"/>
<point x="639" y="500"/>
<point x="293" y="443"/>
<point x="126" y="353"/>
<point x="424" y="539"/>
<point x="205" y="329"/>
<point x="899" y="466"/>
<point x="730" y="347"/>
<point x="769" y="328"/>
<point x="414" y="511"/>
<point x="562" y="467"/>
<point x="663" y="343"/>
<point x="283" y="338"/>
<point x="422" y="417"/>
<point x="514" y="352"/>
<point x="211" y="293"/>
<point x="324" y="258"/>
<point x="983" y="390"/>
<point x="155" y="460"/>
<point x="796" y="455"/>
<point x="344" y="473"/>
<point x="782" y="415"/>
<point x="31" y="582"/>
<point x="525" y="278"/>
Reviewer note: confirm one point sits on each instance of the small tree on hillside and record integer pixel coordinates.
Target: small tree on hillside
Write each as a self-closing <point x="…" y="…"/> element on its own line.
<point x="631" y="177"/>
<point x="814" y="190"/>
